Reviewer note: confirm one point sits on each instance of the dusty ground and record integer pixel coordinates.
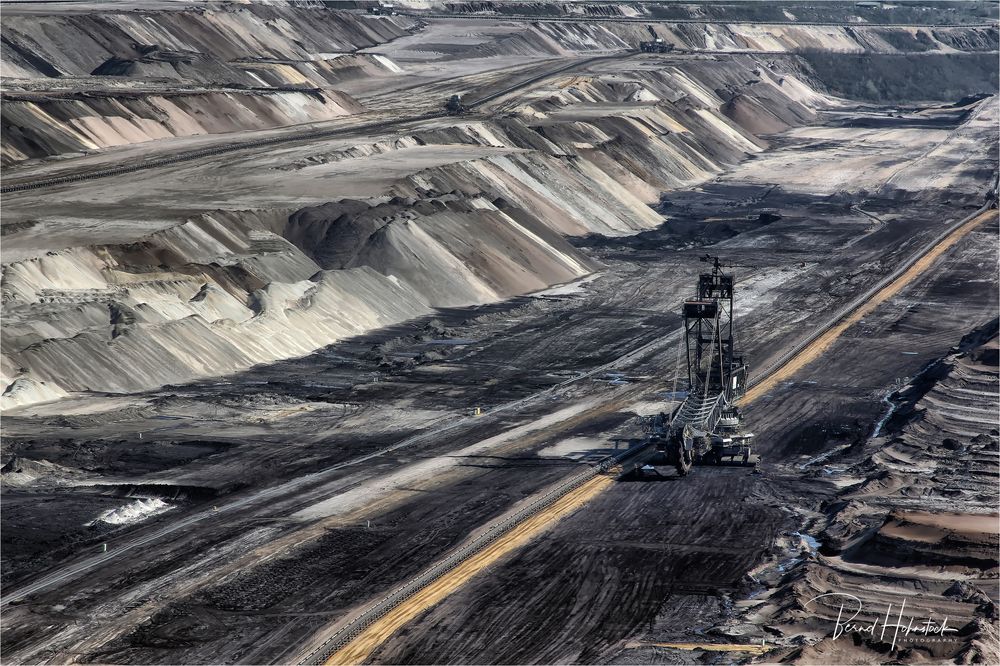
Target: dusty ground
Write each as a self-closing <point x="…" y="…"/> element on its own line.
<point x="678" y="568"/>
<point x="552" y="338"/>
<point x="247" y="511"/>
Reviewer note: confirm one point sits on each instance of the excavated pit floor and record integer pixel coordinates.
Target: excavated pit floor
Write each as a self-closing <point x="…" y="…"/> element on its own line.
<point x="642" y="562"/>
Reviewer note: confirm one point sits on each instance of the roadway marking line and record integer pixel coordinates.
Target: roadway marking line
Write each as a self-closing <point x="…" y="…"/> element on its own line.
<point x="820" y="345"/>
<point x="377" y="633"/>
<point x="362" y="646"/>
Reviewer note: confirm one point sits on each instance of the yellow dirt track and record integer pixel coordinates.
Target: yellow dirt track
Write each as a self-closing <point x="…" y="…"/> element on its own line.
<point x="818" y="346"/>
<point x="361" y="647"/>
<point x="358" y="650"/>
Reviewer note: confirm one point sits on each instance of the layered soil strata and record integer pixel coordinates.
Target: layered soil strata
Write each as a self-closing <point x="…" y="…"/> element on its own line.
<point x="279" y="382"/>
<point x="55" y="44"/>
<point x="578" y="156"/>
<point x="43" y="125"/>
<point x="834" y="11"/>
<point x="916" y="512"/>
<point x="91" y="80"/>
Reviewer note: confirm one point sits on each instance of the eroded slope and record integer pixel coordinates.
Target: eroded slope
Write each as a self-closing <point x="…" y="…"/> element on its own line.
<point x="455" y="214"/>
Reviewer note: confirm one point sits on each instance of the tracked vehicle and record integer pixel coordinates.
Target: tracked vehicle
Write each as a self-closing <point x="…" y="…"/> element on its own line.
<point x="656" y="44"/>
<point x="707" y="427"/>
<point x="454" y="106"/>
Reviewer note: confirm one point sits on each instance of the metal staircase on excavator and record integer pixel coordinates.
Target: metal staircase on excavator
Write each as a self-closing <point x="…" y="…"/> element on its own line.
<point x="700" y="411"/>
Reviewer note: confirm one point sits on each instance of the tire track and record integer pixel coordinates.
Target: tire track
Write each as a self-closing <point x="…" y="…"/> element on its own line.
<point x="820" y="342"/>
<point x="357" y="651"/>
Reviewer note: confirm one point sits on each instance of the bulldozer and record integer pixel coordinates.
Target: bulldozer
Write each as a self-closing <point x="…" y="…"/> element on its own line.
<point x="706" y="428"/>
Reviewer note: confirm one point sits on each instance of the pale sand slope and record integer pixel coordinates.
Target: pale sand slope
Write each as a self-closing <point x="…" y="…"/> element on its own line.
<point x="57" y="42"/>
<point x="88" y="80"/>
<point x="449" y="214"/>
<point x="84" y="79"/>
<point x="49" y="126"/>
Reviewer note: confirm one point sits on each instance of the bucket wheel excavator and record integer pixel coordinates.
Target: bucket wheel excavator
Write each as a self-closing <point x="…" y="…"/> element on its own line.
<point x="656" y="44"/>
<point x="707" y="427"/>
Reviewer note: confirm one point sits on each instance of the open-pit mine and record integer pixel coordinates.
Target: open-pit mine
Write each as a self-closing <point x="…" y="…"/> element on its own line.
<point x="433" y="332"/>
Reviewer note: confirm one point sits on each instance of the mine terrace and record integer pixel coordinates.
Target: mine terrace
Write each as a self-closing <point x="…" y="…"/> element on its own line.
<point x="498" y="332"/>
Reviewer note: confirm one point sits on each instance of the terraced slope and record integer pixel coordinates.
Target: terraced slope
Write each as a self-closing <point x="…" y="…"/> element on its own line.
<point x="447" y="214"/>
<point x="88" y="81"/>
<point x="58" y="44"/>
<point x="913" y="530"/>
<point x="42" y="126"/>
